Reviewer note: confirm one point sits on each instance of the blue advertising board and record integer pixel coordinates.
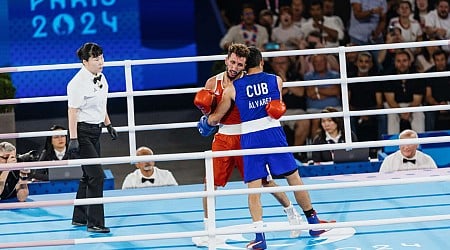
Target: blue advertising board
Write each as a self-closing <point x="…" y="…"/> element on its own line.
<point x="50" y="32"/>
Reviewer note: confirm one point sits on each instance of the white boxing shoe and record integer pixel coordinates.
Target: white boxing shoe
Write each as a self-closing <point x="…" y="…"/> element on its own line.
<point x="294" y="219"/>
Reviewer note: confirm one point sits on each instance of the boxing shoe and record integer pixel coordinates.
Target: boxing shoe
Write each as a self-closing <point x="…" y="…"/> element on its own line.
<point x="259" y="243"/>
<point x="315" y="220"/>
<point x="203" y="241"/>
<point x="294" y="219"/>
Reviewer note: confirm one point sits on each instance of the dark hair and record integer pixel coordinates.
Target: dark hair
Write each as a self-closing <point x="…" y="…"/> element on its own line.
<point x="89" y="50"/>
<point x="239" y="49"/>
<point x="407" y="2"/>
<point x="403" y="52"/>
<point x="48" y="142"/>
<point x="440" y="52"/>
<point x="254" y="57"/>
<point x="316" y="2"/>
<point x="338" y="120"/>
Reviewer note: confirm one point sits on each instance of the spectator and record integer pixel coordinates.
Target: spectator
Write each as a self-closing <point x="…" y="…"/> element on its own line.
<point x="266" y="19"/>
<point x="437" y="22"/>
<point x="367" y="21"/>
<point x="410" y="29"/>
<point x="286" y="33"/>
<point x="421" y="10"/>
<point x="313" y="41"/>
<point x="386" y="57"/>
<point x="294" y="98"/>
<point x="331" y="131"/>
<point x="404" y="93"/>
<point x="147" y="174"/>
<point x="328" y="11"/>
<point x="424" y="60"/>
<point x="330" y="32"/>
<point x="54" y="149"/>
<point x="321" y="96"/>
<point x="13" y="183"/>
<point x="297" y="12"/>
<point x="437" y="92"/>
<point x="363" y="96"/>
<point x="407" y="157"/>
<point x="248" y="32"/>
<point x="351" y="58"/>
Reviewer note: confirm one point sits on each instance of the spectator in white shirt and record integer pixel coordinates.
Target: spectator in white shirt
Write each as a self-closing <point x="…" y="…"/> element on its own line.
<point x="437" y="22"/>
<point x="329" y="30"/>
<point x="286" y="33"/>
<point x="407" y="157"/>
<point x="147" y="174"/>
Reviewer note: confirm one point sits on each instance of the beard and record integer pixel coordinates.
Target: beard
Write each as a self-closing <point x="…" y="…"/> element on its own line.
<point x="443" y="15"/>
<point x="232" y="77"/>
<point x="363" y="70"/>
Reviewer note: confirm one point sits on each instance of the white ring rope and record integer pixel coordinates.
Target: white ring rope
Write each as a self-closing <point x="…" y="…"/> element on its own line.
<point x="284" y="118"/>
<point x="377" y="222"/>
<point x="193" y="90"/>
<point x="209" y="154"/>
<point x="225" y="192"/>
<point x="343" y="80"/>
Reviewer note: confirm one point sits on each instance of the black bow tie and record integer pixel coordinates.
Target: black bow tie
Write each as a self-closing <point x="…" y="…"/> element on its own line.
<point x="413" y="161"/>
<point x="97" y="79"/>
<point x="151" y="180"/>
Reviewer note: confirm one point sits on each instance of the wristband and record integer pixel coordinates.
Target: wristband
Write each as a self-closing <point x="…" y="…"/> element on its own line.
<point x="317" y="92"/>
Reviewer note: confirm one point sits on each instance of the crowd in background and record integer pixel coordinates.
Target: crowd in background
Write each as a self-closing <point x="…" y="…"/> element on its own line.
<point x="273" y="25"/>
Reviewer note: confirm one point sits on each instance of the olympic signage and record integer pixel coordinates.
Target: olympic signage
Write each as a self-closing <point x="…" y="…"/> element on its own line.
<point x="50" y="31"/>
<point x="63" y="18"/>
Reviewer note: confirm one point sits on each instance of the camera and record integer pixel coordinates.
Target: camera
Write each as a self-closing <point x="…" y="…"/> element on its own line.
<point x="311" y="45"/>
<point x="391" y="30"/>
<point x="271" y="46"/>
<point x="32" y="155"/>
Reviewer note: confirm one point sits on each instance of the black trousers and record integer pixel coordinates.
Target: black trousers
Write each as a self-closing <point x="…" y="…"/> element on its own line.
<point x="91" y="183"/>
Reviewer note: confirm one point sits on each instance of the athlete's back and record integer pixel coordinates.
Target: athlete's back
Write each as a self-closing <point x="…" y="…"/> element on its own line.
<point x="253" y="93"/>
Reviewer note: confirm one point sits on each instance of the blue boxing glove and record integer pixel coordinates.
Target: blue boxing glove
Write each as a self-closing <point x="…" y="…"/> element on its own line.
<point x="204" y="128"/>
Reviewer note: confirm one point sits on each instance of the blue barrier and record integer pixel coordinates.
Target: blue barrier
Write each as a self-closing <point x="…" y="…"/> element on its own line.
<point x="66" y="186"/>
<point x="339" y="168"/>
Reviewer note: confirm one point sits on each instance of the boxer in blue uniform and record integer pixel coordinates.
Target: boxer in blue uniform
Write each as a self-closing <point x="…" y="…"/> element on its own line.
<point x="258" y="98"/>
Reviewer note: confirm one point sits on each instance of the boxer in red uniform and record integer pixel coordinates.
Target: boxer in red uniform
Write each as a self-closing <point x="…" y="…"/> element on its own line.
<point x="228" y="135"/>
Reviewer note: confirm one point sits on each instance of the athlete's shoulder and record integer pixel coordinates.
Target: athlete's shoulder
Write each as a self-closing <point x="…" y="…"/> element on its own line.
<point x="211" y="83"/>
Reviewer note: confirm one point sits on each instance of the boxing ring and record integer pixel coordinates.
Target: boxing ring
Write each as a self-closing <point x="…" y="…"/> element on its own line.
<point x="407" y="210"/>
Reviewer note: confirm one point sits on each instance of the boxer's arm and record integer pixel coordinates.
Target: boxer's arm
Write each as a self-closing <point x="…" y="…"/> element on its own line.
<point x="228" y="96"/>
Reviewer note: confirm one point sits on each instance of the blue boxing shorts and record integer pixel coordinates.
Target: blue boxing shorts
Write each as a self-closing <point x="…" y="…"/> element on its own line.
<point x="278" y="163"/>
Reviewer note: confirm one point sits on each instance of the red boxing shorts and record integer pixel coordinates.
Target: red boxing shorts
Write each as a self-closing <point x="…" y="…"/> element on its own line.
<point x="223" y="166"/>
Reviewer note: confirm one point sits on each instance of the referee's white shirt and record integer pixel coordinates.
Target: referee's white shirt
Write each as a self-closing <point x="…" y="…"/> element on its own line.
<point x="162" y="177"/>
<point x="394" y="162"/>
<point x="88" y="97"/>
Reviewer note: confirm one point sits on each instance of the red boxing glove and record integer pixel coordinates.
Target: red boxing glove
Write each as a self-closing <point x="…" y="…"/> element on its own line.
<point x="205" y="100"/>
<point x="276" y="109"/>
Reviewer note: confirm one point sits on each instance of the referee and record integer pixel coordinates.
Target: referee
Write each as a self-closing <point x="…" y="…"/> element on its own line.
<point x="87" y="96"/>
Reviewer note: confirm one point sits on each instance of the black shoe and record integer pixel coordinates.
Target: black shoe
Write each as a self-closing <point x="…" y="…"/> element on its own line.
<point x="98" y="229"/>
<point x="75" y="223"/>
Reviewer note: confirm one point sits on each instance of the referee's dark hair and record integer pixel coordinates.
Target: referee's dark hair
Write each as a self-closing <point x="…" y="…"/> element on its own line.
<point x="89" y="50"/>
